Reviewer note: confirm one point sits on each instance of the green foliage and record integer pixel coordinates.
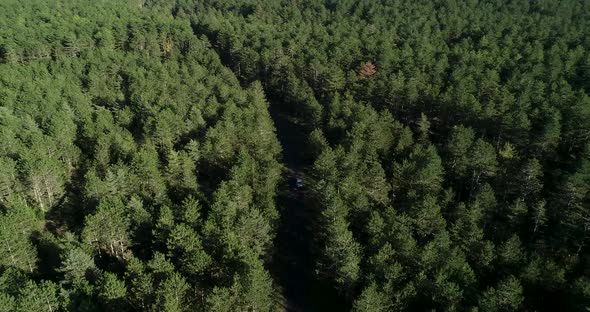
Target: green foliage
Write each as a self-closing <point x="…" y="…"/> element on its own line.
<point x="119" y="125"/>
<point x="185" y="246"/>
<point x="341" y="251"/>
<point x="16" y="227"/>
<point x="76" y="264"/>
<point x="446" y="161"/>
<point x="251" y="291"/>
<point x="371" y="300"/>
<point x="107" y="229"/>
<point x="507" y="296"/>
<point x="113" y="292"/>
<point x="38" y="297"/>
<point x="172" y="295"/>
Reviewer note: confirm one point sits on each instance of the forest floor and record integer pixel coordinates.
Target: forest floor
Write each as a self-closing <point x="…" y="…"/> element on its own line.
<point x="293" y="263"/>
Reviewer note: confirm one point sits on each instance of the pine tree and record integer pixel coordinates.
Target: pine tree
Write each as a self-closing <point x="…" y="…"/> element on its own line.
<point x="371" y="299"/>
<point x="113" y="292"/>
<point x="16" y="227"/>
<point x="340" y="251"/>
<point x="76" y="264"/>
<point x="184" y="246"/>
<point x="107" y="229"/>
<point x="483" y="162"/>
<point x="173" y="295"/>
<point x="458" y="146"/>
<point x="41" y="297"/>
<point x="508" y="295"/>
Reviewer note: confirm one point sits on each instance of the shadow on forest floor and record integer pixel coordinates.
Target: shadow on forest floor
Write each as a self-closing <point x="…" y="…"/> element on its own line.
<point x="293" y="265"/>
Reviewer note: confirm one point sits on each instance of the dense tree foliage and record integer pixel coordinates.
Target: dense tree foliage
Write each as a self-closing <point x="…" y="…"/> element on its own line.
<point x="137" y="174"/>
<point x="447" y="160"/>
<point x="449" y="142"/>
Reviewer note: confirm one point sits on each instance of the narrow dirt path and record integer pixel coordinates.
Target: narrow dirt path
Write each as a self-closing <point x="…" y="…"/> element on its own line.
<point x="292" y="260"/>
<point x="293" y="263"/>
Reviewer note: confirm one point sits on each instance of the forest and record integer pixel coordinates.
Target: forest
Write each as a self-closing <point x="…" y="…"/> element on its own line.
<point x="149" y="148"/>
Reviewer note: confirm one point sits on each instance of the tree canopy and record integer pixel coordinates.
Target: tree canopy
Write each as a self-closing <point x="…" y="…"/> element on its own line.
<point x="446" y="153"/>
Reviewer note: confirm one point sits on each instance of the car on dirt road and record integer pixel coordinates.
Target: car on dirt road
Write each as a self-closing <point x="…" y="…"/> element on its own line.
<point x="299" y="183"/>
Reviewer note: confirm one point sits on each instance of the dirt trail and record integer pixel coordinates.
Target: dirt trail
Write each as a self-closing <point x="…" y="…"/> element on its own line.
<point x="293" y="263"/>
<point x="293" y="266"/>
